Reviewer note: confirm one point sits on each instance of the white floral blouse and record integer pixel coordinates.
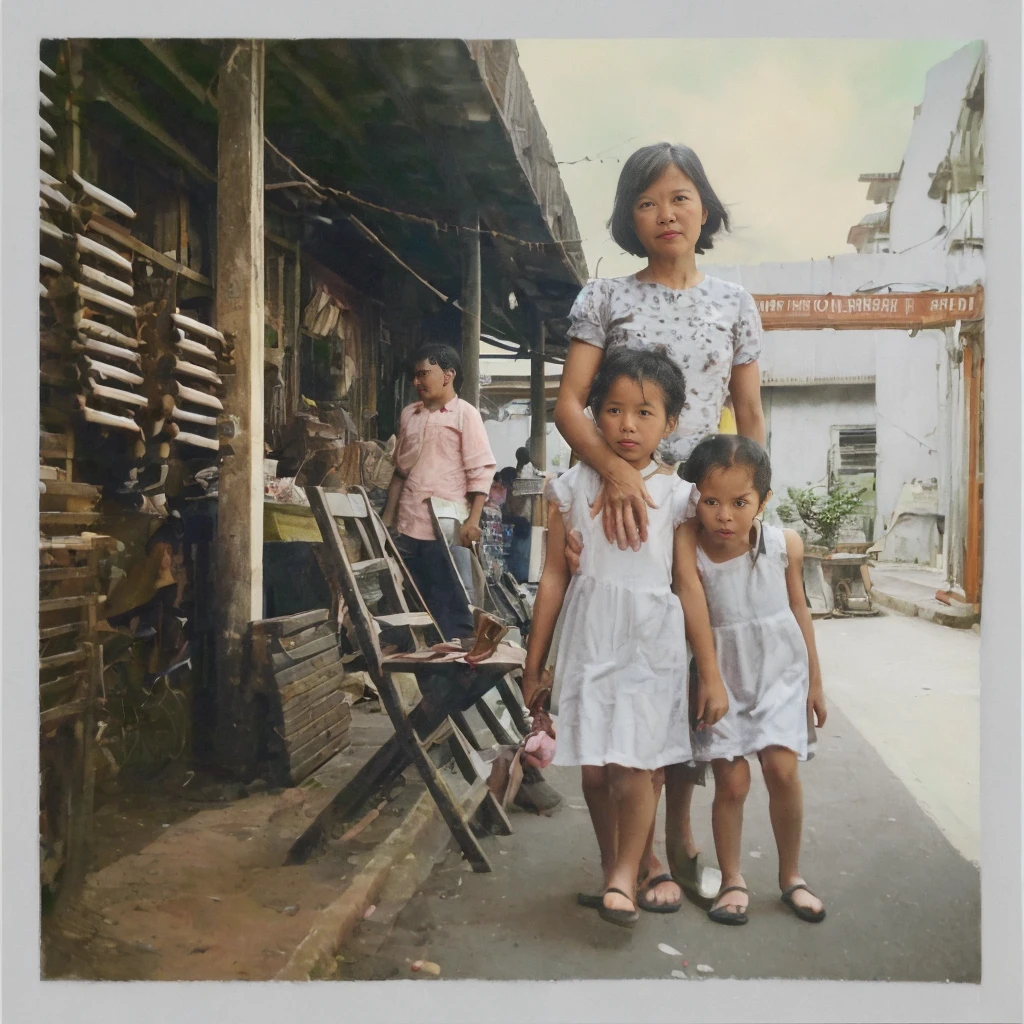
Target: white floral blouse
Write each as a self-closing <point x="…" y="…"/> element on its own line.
<point x="707" y="329"/>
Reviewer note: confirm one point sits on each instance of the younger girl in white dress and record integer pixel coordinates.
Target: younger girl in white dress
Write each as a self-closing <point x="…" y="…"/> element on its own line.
<point x="753" y="578"/>
<point x="621" y="663"/>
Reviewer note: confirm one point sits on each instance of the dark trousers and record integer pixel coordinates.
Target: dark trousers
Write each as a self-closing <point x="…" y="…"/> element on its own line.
<point x="432" y="570"/>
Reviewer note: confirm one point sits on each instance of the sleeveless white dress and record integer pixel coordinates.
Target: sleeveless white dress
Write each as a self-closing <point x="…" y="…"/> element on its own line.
<point x="761" y="653"/>
<point x="620" y="662"/>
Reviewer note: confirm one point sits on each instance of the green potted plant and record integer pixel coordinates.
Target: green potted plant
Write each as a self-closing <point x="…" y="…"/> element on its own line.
<point x="834" y="583"/>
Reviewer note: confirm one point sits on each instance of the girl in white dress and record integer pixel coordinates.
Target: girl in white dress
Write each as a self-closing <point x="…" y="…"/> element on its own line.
<point x="621" y="663"/>
<point x="753" y="578"/>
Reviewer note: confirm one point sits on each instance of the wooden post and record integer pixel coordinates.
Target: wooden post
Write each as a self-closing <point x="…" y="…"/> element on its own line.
<point x="240" y="270"/>
<point x="538" y="400"/>
<point x="972" y="371"/>
<point x="470" y="303"/>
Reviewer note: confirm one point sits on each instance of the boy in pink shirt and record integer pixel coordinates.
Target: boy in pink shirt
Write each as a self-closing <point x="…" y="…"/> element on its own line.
<point x="442" y="452"/>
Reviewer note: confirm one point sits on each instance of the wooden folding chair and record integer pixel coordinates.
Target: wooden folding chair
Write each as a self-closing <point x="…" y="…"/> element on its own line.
<point x="448" y="687"/>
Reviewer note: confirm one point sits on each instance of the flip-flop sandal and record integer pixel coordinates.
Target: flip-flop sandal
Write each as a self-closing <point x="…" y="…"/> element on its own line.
<point x="657" y="908"/>
<point x="720" y="915"/>
<point x="590" y="900"/>
<point x="804" y="913"/>
<point x="623" y="918"/>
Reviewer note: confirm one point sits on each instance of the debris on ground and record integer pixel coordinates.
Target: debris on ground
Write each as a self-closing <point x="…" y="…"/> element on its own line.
<point x="369" y="911"/>
<point x="291" y="910"/>
<point x="666" y="948"/>
<point x="756" y="854"/>
<point x="705" y="969"/>
<point x="681" y="974"/>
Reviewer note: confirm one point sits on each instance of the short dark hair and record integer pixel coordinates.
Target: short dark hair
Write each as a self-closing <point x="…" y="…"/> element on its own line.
<point x="641" y="365"/>
<point x="643" y="168"/>
<point x="723" y="451"/>
<point x="507" y="475"/>
<point x="522" y="457"/>
<point x="440" y="355"/>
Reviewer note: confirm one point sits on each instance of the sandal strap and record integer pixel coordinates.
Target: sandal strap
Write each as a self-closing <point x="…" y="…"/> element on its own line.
<point x="619" y="891"/>
<point x="731" y="888"/>
<point x="793" y="888"/>
<point x="650" y="883"/>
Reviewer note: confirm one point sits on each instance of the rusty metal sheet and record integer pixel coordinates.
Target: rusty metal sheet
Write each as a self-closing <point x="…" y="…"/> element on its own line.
<point x="891" y="311"/>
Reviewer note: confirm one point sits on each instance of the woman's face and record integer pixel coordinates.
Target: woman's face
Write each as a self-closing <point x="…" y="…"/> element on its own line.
<point x="668" y="216"/>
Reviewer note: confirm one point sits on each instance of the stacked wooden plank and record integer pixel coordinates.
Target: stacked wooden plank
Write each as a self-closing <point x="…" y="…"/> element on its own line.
<point x="91" y="347"/>
<point x="298" y="670"/>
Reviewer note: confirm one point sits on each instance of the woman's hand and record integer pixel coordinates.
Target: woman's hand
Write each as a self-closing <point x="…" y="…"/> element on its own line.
<point x="624" y="500"/>
<point x="816" y="703"/>
<point x="712" y="701"/>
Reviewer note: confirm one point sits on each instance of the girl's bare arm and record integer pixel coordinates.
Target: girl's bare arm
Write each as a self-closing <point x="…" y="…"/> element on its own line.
<point x="798" y="602"/>
<point x="554" y="582"/>
<point x="712" y="699"/>
<point x="624" y="496"/>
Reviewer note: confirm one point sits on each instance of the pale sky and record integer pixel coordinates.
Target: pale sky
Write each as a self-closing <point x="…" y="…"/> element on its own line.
<point x="783" y="128"/>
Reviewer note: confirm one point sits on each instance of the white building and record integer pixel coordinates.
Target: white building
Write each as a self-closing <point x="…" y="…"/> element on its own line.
<point x="829" y="394"/>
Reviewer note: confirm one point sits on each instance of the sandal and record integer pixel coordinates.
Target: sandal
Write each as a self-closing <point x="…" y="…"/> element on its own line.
<point x="657" y="908"/>
<point x="804" y="913"/>
<point x="720" y="915"/>
<point x="623" y="918"/>
<point x="590" y="900"/>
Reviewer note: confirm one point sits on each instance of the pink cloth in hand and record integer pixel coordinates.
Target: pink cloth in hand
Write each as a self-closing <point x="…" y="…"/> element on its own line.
<point x="539" y="750"/>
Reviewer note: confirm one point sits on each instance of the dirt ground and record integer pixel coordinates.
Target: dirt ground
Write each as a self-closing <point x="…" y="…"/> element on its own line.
<point x="193" y="887"/>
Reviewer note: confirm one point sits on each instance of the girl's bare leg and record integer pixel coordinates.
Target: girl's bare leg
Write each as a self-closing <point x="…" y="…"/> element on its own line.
<point x="650" y="863"/>
<point x="679" y="841"/>
<point x="732" y="784"/>
<point x="786" y="808"/>
<point x="633" y="796"/>
<point x="598" y="795"/>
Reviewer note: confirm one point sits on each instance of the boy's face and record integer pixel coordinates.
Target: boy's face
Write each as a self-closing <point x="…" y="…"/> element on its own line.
<point x="431" y="382"/>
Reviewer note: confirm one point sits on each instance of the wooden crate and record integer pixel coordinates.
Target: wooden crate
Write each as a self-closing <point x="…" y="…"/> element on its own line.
<point x="297" y="675"/>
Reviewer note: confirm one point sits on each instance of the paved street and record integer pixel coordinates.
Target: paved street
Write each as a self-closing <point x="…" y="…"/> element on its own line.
<point x="889" y="841"/>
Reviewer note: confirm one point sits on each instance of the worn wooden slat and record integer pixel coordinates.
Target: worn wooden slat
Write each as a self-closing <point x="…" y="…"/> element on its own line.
<point x="52" y="520"/>
<point x="285" y="659"/>
<point x="184" y="416"/>
<point x="197" y="440"/>
<point x="118" y="234"/>
<point x="303" y="770"/>
<point x="108" y="419"/>
<point x="105" y="333"/>
<point x="98" y="298"/>
<point x="67" y="629"/>
<point x="197" y="326"/>
<point x="68" y="488"/>
<point x="287" y="643"/>
<point x="57" y="660"/>
<point x="329" y="722"/>
<point x="306" y="668"/>
<point x="369" y="567"/>
<point x="314" y="704"/>
<point x="74" y="572"/>
<point x="60" y="604"/>
<point x="62" y="685"/>
<point x="103" y="349"/>
<point x="92" y="248"/>
<point x="293" y="691"/>
<point x="105" y="198"/>
<point x="286" y="625"/>
<point x="54" y="716"/>
<point x="414" y="620"/>
<point x="101" y="280"/>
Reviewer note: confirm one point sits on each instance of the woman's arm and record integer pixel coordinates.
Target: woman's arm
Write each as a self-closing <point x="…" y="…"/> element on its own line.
<point x="554" y="582"/>
<point x="712" y="699"/>
<point x="624" y="498"/>
<point x="745" y="391"/>
<point x="798" y="602"/>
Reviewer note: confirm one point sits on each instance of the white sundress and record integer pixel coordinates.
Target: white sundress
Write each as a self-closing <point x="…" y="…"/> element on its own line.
<point x="761" y="653"/>
<point x="620" y="662"/>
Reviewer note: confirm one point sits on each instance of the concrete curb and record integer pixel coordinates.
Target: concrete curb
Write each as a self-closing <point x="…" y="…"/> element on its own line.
<point x="336" y="922"/>
<point x="931" y="611"/>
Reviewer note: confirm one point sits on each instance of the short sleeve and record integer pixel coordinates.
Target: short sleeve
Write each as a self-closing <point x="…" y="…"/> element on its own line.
<point x="585" y="318"/>
<point x="477" y="457"/>
<point x="559" y="490"/>
<point x="685" y="499"/>
<point x="746" y="332"/>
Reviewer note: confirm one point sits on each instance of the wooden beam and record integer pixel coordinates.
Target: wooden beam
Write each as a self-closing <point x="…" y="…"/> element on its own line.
<point x="318" y="91"/>
<point x="169" y="61"/>
<point x="469" y="301"/>
<point x="538" y="399"/>
<point x="131" y="113"/>
<point x="240" y="310"/>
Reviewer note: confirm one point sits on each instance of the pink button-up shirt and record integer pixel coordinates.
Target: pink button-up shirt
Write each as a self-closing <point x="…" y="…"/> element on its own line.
<point x="443" y="453"/>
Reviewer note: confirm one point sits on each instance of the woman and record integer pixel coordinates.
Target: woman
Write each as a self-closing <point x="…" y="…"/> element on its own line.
<point x="666" y="211"/>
